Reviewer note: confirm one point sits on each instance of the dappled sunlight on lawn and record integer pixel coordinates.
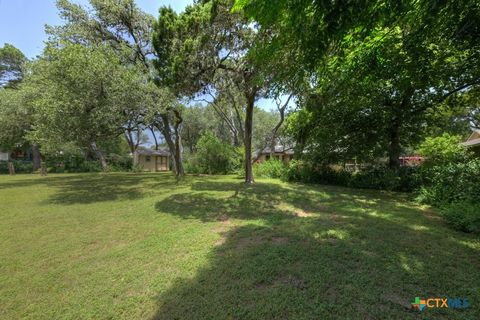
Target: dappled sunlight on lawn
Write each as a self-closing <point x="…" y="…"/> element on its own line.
<point x="216" y="248"/>
<point x="318" y="246"/>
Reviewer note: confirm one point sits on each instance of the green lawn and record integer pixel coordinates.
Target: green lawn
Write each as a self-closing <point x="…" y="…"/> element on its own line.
<point x="131" y="246"/>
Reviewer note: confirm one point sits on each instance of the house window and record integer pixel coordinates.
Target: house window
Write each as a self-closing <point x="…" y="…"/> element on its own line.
<point x="148" y="158"/>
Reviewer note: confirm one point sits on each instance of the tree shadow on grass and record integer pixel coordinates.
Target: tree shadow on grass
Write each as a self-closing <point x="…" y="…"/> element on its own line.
<point x="109" y="187"/>
<point x="96" y="187"/>
<point x="347" y="256"/>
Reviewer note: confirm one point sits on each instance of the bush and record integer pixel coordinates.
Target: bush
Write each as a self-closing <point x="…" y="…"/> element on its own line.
<point x="88" y="166"/>
<point x="383" y="178"/>
<point x="442" y="150"/>
<point x="402" y="179"/>
<point x="272" y="168"/>
<point x="463" y="216"/>
<point x="119" y="163"/>
<point x="20" y="166"/>
<point x="453" y="182"/>
<point x="138" y="168"/>
<point x="214" y="157"/>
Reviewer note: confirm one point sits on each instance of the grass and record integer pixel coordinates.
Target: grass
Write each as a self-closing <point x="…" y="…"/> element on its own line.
<point x="128" y="246"/>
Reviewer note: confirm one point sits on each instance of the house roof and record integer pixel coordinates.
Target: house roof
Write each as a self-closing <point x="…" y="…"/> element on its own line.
<point x="470" y="143"/>
<point x="277" y="149"/>
<point x="473" y="140"/>
<point x="151" y="152"/>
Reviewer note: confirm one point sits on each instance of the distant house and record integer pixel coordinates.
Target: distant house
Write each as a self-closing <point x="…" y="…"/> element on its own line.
<point x="280" y="153"/>
<point x="153" y="160"/>
<point x="4" y="156"/>
<point x="18" y="154"/>
<point x="411" y="161"/>
<point x="473" y="142"/>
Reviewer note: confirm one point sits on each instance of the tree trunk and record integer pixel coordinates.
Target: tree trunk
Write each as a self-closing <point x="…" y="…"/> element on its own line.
<point x="394" y="148"/>
<point x="178" y="156"/>
<point x="100" y="156"/>
<point x="43" y="167"/>
<point x="281" y="110"/>
<point x="11" y="168"/>
<point x="248" y="138"/>
<point x="37" y="160"/>
<point x="178" y="143"/>
<point x="129" y="138"/>
<point x="164" y="128"/>
<point x="154" y="137"/>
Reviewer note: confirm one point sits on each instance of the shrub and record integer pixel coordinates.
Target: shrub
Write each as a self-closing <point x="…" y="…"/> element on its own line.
<point x="119" y="163"/>
<point x="20" y="166"/>
<point x="88" y="166"/>
<point x="453" y="182"/>
<point x="442" y="150"/>
<point x="402" y="179"/>
<point x="463" y="216"/>
<point x="383" y="178"/>
<point x="137" y="168"/>
<point x="214" y="157"/>
<point x="272" y="168"/>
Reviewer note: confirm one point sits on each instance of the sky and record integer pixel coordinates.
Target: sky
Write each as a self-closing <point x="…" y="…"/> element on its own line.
<point x="22" y="22"/>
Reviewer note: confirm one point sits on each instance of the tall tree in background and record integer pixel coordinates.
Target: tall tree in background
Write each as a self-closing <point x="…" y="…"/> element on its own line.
<point x="194" y="47"/>
<point x="12" y="62"/>
<point x="16" y="112"/>
<point x="83" y="93"/>
<point x="126" y="30"/>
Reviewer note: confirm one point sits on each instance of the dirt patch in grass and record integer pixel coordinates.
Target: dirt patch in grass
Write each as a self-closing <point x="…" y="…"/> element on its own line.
<point x="331" y="294"/>
<point x="243" y="243"/>
<point x="223" y="228"/>
<point x="396" y="299"/>
<point x="429" y="214"/>
<point x="302" y="214"/>
<point x="279" y="240"/>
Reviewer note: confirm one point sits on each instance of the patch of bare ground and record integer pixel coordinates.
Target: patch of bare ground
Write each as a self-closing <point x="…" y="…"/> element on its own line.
<point x="302" y="214"/>
<point x="279" y="240"/>
<point x="250" y="241"/>
<point x="223" y="227"/>
<point x="396" y="299"/>
<point x="331" y="295"/>
<point x="336" y="219"/>
<point x="429" y="214"/>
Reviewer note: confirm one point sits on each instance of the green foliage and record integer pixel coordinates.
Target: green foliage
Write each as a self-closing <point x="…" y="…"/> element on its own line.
<point x="119" y="163"/>
<point x="451" y="182"/>
<point x="214" y="156"/>
<point x="138" y="168"/>
<point x="449" y="174"/>
<point x="83" y="96"/>
<point x="272" y="168"/>
<point x="442" y="150"/>
<point x="20" y="167"/>
<point x="371" y="74"/>
<point x="463" y="216"/>
<point x="11" y="66"/>
<point x="382" y="178"/>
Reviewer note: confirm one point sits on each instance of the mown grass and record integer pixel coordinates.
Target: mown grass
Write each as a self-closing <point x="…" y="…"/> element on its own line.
<point x="126" y="246"/>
